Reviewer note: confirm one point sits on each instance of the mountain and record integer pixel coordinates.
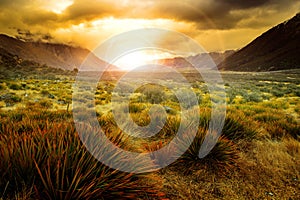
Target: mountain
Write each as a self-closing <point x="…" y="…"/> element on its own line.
<point x="53" y="55"/>
<point x="11" y="66"/>
<point x="276" y="49"/>
<point x="203" y="60"/>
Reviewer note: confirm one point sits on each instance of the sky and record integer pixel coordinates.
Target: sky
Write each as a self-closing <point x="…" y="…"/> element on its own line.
<point x="217" y="25"/>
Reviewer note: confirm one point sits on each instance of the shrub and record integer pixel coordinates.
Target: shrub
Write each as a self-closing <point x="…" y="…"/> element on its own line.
<point x="15" y="86"/>
<point x="2" y="86"/>
<point x="254" y="97"/>
<point x="10" y="98"/>
<point x="277" y="93"/>
<point x="154" y="93"/>
<point x="297" y="92"/>
<point x="45" y="92"/>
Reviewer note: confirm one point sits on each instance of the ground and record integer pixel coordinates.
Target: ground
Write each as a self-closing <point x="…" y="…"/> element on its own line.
<point x="257" y="156"/>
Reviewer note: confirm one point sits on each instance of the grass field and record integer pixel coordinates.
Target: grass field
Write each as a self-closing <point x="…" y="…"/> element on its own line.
<point x="257" y="156"/>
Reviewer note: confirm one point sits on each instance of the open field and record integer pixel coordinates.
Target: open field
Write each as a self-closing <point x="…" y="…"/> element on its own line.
<point x="257" y="156"/>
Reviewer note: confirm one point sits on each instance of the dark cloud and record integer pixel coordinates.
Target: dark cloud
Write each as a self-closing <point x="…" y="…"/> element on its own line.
<point x="200" y="15"/>
<point x="205" y="14"/>
<point x="82" y="10"/>
<point x="41" y="17"/>
<point x="243" y="4"/>
<point x="219" y="14"/>
<point x="5" y="3"/>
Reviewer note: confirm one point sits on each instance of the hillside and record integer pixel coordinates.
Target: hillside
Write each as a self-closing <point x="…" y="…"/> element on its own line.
<point x="276" y="49"/>
<point x="203" y="60"/>
<point x="53" y="55"/>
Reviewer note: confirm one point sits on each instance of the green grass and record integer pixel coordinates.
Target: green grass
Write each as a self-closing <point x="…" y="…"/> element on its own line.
<point x="42" y="156"/>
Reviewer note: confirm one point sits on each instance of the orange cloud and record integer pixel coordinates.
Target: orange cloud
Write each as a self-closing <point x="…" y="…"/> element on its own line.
<point x="84" y="22"/>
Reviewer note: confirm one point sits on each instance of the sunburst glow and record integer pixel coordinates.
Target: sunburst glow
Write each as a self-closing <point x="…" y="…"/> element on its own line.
<point x="140" y="58"/>
<point x="56" y="6"/>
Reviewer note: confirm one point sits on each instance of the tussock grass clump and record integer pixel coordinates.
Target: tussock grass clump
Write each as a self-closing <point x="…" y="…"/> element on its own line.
<point x="171" y="127"/>
<point x="41" y="104"/>
<point x="136" y="107"/>
<point x="223" y="156"/>
<point x="49" y="158"/>
<point x="45" y="92"/>
<point x="15" y="86"/>
<point x="280" y="129"/>
<point x="293" y="147"/>
<point x="165" y="155"/>
<point x="238" y="126"/>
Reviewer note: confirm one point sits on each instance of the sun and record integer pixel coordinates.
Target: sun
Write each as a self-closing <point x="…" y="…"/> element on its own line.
<point x="136" y="59"/>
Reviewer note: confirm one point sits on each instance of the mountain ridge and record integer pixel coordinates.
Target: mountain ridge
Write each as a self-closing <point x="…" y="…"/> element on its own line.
<point x="276" y="49"/>
<point x="202" y="60"/>
<point x="52" y="54"/>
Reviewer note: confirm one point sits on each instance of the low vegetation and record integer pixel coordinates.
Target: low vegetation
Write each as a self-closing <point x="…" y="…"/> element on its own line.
<point x="256" y="157"/>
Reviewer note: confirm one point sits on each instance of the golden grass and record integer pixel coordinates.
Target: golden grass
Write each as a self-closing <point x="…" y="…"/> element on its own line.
<point x="257" y="157"/>
<point x="267" y="172"/>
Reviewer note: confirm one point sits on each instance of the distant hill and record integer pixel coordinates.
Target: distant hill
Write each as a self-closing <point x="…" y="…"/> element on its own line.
<point x="202" y="60"/>
<point x="53" y="55"/>
<point x="276" y="49"/>
<point x="11" y="66"/>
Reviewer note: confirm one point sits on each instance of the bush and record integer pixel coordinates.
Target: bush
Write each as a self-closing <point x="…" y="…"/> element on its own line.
<point x="154" y="93"/>
<point x="45" y="92"/>
<point x="297" y="92"/>
<point x="277" y="93"/>
<point x="2" y="86"/>
<point x="254" y="97"/>
<point x="10" y="98"/>
<point x="15" y="86"/>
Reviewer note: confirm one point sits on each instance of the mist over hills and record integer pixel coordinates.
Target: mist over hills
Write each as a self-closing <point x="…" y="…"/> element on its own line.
<point x="276" y="49"/>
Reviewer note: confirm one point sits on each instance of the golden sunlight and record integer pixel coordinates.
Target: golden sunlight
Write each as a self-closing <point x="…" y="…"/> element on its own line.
<point x="89" y="34"/>
<point x="133" y="60"/>
<point x="56" y="6"/>
<point x="140" y="58"/>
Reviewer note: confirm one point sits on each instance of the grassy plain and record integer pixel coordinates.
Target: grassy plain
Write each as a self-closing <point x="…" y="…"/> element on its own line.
<point x="257" y="156"/>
